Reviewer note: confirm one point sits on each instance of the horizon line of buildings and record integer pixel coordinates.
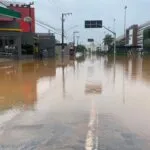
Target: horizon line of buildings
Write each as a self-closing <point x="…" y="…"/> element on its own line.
<point x="136" y="36"/>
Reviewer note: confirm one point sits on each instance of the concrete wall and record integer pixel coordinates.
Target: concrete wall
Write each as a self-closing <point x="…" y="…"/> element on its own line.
<point x="27" y="38"/>
<point x="47" y="41"/>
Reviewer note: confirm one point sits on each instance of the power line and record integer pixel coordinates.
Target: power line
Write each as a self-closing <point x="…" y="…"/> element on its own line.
<point x="41" y="22"/>
<point x="46" y="27"/>
<point x="49" y="26"/>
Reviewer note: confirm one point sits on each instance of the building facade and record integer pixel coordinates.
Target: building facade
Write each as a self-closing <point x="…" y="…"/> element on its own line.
<point x="25" y="11"/>
<point x="140" y="33"/>
<point x="17" y="34"/>
<point x="137" y="36"/>
<point x="46" y="43"/>
<point x="131" y="36"/>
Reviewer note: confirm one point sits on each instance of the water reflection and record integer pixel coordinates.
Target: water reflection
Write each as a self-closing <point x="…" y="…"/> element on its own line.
<point x="23" y="83"/>
<point x="135" y="68"/>
<point x="119" y="88"/>
<point x="19" y="82"/>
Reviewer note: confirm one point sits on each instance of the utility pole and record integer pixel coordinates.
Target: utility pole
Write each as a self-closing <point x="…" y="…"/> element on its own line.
<point x="63" y="20"/>
<point x="62" y="46"/>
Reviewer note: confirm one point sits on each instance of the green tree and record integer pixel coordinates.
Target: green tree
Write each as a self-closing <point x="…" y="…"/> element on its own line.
<point x="81" y="49"/>
<point x="108" y="40"/>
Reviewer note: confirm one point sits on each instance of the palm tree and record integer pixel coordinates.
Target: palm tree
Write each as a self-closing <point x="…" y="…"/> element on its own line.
<point x="108" y="40"/>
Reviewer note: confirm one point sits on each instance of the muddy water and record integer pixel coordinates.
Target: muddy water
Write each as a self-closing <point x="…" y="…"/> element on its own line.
<point x="34" y="94"/>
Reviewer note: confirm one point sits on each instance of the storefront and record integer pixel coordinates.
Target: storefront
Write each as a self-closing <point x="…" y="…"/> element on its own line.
<point x="10" y="33"/>
<point x="10" y="44"/>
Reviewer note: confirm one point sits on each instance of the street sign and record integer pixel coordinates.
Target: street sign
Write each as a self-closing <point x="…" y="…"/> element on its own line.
<point x="90" y="40"/>
<point x="93" y="24"/>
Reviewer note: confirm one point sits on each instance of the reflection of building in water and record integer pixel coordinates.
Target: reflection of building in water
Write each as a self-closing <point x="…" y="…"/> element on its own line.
<point x="146" y="69"/>
<point x="65" y="61"/>
<point x="19" y="82"/>
<point x="136" y="68"/>
<point x="119" y="61"/>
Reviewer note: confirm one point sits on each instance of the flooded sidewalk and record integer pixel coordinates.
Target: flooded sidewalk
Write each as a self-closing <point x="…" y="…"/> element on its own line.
<point x="3" y="60"/>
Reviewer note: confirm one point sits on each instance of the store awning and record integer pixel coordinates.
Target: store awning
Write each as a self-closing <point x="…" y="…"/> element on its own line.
<point x="9" y="13"/>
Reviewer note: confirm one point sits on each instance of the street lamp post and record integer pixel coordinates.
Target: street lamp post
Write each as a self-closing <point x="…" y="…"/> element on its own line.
<point x="78" y="40"/>
<point x="74" y="38"/>
<point x="125" y="19"/>
<point x="114" y="24"/>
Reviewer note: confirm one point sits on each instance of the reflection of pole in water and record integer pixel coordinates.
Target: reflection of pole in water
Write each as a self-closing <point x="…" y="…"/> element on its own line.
<point x="74" y="67"/>
<point x="63" y="76"/>
<point x="114" y="70"/>
<point x="123" y="88"/>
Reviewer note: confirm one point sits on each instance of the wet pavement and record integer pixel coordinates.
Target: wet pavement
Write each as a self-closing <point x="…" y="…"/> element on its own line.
<point x="92" y="103"/>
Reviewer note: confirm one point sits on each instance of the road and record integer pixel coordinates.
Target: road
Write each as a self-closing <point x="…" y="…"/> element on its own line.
<point x="83" y="104"/>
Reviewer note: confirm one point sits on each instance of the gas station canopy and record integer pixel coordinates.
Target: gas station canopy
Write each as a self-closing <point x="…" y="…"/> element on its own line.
<point x="9" y="13"/>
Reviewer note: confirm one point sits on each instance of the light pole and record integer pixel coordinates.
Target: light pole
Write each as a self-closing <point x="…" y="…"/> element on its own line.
<point x="125" y="19"/>
<point x="63" y="20"/>
<point x="74" y="38"/>
<point x="114" y="25"/>
<point x="78" y="40"/>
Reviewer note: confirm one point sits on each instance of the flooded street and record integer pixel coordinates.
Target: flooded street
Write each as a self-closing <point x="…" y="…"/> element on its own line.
<point x="92" y="103"/>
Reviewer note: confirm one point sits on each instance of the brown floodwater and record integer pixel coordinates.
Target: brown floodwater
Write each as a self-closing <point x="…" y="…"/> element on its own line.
<point x="120" y="89"/>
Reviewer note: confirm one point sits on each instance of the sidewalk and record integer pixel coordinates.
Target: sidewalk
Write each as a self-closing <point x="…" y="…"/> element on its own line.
<point x="5" y="60"/>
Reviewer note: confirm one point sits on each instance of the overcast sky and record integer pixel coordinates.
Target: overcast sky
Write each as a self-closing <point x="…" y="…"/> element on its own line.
<point x="50" y="11"/>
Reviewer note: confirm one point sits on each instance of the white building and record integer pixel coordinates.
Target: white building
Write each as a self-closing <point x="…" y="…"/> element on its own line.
<point x="140" y="33"/>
